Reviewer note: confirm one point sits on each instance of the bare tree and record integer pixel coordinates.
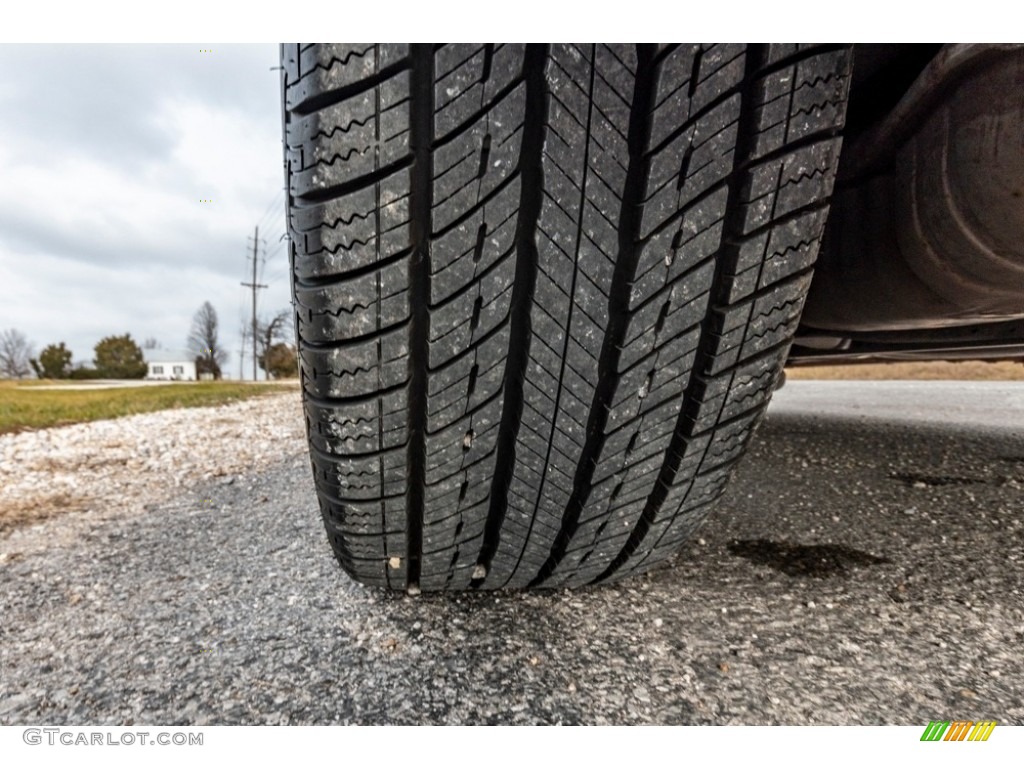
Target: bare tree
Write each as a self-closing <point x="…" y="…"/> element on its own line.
<point x="203" y="341"/>
<point x="270" y="332"/>
<point x="151" y="343"/>
<point x="15" y="354"/>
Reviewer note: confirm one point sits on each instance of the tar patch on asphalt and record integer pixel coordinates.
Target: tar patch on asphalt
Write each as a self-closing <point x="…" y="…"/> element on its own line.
<point x="816" y="561"/>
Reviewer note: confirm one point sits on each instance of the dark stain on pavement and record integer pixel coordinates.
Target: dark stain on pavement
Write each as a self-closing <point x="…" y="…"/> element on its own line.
<point x="816" y="561"/>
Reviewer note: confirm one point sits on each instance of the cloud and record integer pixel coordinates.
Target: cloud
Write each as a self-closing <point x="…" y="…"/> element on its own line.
<point x="106" y="153"/>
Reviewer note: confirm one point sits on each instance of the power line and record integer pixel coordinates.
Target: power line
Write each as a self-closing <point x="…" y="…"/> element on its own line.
<point x="278" y="271"/>
<point x="276" y="251"/>
<point x="279" y="276"/>
<point x="270" y="208"/>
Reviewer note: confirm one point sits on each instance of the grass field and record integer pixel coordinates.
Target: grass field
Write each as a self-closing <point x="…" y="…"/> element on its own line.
<point x="23" y="405"/>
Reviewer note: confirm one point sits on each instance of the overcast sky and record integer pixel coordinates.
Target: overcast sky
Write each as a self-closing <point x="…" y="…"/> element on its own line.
<point x="105" y="154"/>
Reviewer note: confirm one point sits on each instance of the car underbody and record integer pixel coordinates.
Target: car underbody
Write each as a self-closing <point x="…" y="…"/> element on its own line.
<point x="923" y="254"/>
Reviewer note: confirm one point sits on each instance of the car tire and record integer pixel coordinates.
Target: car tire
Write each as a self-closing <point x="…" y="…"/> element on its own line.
<point x="543" y="293"/>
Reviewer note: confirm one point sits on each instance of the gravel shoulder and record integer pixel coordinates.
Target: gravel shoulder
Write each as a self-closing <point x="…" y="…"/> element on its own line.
<point x="103" y="469"/>
<point x="861" y="569"/>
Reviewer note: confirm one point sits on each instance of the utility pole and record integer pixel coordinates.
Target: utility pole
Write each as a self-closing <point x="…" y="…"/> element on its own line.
<point x="241" y="354"/>
<point x="255" y="286"/>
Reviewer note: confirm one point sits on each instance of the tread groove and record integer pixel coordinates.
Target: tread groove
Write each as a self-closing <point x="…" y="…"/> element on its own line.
<point x="421" y="122"/>
<point x="564" y="363"/>
<point x="618" y="306"/>
<point x="727" y="255"/>
<point x="329" y="98"/>
<point x="531" y="182"/>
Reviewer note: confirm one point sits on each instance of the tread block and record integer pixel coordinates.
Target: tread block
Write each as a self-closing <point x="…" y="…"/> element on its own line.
<point x="465" y="86"/>
<point x="351" y="308"/>
<point x="360" y="368"/>
<point x="362" y="426"/>
<point x="325" y="69"/>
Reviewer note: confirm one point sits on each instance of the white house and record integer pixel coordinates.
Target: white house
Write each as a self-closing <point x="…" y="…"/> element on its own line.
<point x="169" y="365"/>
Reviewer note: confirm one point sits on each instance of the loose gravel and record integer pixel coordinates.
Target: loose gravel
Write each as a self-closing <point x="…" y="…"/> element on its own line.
<point x="107" y="468"/>
<point x="859" y="570"/>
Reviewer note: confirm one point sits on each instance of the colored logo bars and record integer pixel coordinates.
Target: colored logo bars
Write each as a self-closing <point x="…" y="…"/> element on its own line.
<point x="958" y="730"/>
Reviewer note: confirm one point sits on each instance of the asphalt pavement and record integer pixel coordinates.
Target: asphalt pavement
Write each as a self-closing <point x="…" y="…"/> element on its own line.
<point x="866" y="566"/>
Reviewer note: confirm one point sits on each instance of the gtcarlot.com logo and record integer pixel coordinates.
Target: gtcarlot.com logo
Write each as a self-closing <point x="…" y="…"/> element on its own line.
<point x="84" y="738"/>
